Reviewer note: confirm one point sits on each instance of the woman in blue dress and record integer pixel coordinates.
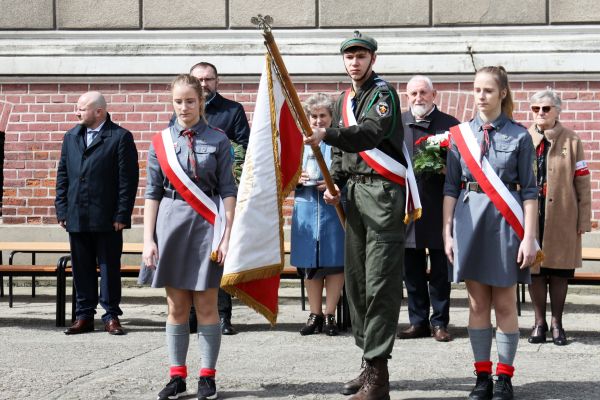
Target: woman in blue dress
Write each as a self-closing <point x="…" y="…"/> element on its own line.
<point x="317" y="234"/>
<point x="484" y="249"/>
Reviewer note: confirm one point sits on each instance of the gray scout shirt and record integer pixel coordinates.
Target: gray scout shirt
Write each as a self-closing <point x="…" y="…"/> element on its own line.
<point x="511" y="155"/>
<point x="213" y="162"/>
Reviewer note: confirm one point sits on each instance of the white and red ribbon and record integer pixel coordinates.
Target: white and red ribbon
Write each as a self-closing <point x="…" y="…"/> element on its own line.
<point x="387" y="167"/>
<point x="490" y="182"/>
<point x="581" y="168"/>
<point x="189" y="191"/>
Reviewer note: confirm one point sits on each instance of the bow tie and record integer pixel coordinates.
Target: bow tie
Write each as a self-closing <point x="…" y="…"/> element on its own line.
<point x="421" y="124"/>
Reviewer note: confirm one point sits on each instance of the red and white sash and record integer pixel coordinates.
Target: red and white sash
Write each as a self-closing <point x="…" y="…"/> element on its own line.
<point x="387" y="167"/>
<point x="488" y="180"/>
<point x="196" y="198"/>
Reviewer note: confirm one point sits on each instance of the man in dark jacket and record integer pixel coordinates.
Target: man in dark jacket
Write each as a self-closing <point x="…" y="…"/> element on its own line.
<point x="96" y="184"/>
<point x="426" y="233"/>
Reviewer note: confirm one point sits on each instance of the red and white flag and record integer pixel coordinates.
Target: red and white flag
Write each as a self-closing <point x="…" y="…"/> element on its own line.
<point x="271" y="169"/>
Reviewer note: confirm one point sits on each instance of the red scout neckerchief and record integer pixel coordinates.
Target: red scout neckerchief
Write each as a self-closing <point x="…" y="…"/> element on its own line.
<point x="490" y="182"/>
<point x="192" y="194"/>
<point x="387" y="167"/>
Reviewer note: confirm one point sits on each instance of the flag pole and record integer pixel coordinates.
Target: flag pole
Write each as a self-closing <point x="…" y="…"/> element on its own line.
<point x="264" y="23"/>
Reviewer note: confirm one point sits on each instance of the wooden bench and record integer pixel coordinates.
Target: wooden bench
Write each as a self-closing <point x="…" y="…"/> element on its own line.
<point x="127" y="271"/>
<point x="57" y="271"/>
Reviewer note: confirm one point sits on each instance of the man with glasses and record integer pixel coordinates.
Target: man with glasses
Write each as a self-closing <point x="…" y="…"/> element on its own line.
<point x="230" y="117"/>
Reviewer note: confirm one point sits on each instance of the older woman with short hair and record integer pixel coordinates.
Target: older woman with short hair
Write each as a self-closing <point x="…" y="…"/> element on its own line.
<point x="317" y="238"/>
<point x="563" y="181"/>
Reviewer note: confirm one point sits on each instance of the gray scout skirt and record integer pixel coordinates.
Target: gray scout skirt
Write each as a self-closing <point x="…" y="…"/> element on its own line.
<point x="184" y="241"/>
<point x="485" y="245"/>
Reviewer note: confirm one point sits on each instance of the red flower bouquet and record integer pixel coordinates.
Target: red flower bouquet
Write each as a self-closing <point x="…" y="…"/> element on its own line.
<point x="430" y="154"/>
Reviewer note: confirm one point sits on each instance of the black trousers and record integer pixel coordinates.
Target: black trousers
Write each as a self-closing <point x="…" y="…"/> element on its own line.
<point x="90" y="250"/>
<point x="423" y="295"/>
<point x="224" y="304"/>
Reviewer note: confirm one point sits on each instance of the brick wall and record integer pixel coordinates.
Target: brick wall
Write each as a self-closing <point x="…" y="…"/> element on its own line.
<point x="35" y="117"/>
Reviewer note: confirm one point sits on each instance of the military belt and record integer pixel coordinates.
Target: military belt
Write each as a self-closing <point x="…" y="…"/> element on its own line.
<point x="366" y="178"/>
<point x="173" y="194"/>
<point x="474" y="187"/>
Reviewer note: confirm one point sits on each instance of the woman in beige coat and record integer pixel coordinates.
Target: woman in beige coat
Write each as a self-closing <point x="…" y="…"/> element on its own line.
<point x="564" y="212"/>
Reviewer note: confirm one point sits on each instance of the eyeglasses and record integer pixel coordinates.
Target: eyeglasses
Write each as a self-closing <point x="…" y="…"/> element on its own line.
<point x="545" y="109"/>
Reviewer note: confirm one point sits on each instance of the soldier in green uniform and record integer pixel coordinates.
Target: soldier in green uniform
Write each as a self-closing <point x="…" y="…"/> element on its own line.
<point x="374" y="253"/>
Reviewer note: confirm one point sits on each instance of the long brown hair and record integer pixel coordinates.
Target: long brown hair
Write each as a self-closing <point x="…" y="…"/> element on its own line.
<point x="194" y="83"/>
<point x="501" y="78"/>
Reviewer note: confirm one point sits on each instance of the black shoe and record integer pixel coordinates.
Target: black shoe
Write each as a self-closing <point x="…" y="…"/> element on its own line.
<point x="314" y="324"/>
<point x="175" y="388"/>
<point x="538" y="333"/>
<point x="484" y="387"/>
<point x="330" y="328"/>
<point x="559" y="337"/>
<point x="227" y="328"/>
<point x="503" y="389"/>
<point x="207" y="388"/>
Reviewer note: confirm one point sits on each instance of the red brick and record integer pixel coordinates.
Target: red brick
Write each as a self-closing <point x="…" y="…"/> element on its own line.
<point x="14" y="88"/>
<point x="8" y="164"/>
<point x="105" y="87"/>
<point x="57" y="117"/>
<point x="56" y="108"/>
<point x="35" y="108"/>
<point x="134" y="98"/>
<point x="41" y="211"/>
<point x="149" y="117"/>
<point x="149" y="107"/>
<point x="34" y="220"/>
<point x="24" y="174"/>
<point x="40" y="202"/>
<point x="8" y="211"/>
<point x="73" y="88"/>
<point x="43" y="127"/>
<point x="13" y="220"/>
<point x="120" y="107"/>
<point x="571" y="85"/>
<point x="149" y="98"/>
<point x="50" y="220"/>
<point x="163" y="87"/>
<point x="42" y="117"/>
<point x="582" y="105"/>
<point x="13" y="201"/>
<point x="135" y="87"/>
<point x="229" y="87"/>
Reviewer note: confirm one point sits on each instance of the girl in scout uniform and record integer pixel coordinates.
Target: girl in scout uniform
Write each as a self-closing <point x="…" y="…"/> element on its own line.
<point x="489" y="182"/>
<point x="188" y="172"/>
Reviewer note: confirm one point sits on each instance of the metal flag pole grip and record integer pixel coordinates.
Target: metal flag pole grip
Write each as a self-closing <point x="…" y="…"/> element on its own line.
<point x="264" y="23"/>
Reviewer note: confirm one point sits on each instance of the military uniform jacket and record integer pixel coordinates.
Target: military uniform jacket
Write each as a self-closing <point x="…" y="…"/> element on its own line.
<point x="426" y="232"/>
<point x="379" y="125"/>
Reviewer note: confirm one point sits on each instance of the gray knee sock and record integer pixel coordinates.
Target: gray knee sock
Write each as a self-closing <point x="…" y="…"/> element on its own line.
<point x="178" y="340"/>
<point x="507" y="343"/>
<point x="209" y="341"/>
<point x="481" y="343"/>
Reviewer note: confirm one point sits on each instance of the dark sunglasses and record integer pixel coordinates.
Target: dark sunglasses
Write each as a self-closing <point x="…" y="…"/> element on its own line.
<point x="536" y="109"/>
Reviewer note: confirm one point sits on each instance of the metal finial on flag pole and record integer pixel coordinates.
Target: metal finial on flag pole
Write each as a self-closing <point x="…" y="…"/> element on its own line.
<point x="264" y="23"/>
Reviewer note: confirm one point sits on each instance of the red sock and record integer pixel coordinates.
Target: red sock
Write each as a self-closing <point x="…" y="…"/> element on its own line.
<point x="178" y="370"/>
<point x="208" y="372"/>
<point x="483" y="366"/>
<point x="505" y="369"/>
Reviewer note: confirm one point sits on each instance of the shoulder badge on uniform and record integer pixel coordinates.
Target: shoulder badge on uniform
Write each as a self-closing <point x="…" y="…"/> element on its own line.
<point x="383" y="108"/>
<point x="380" y="83"/>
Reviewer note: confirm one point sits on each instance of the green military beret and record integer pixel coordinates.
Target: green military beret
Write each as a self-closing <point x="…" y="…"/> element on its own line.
<point x="359" y="40"/>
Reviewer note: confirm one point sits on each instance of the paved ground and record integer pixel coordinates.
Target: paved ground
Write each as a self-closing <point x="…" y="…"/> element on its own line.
<point x="37" y="361"/>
